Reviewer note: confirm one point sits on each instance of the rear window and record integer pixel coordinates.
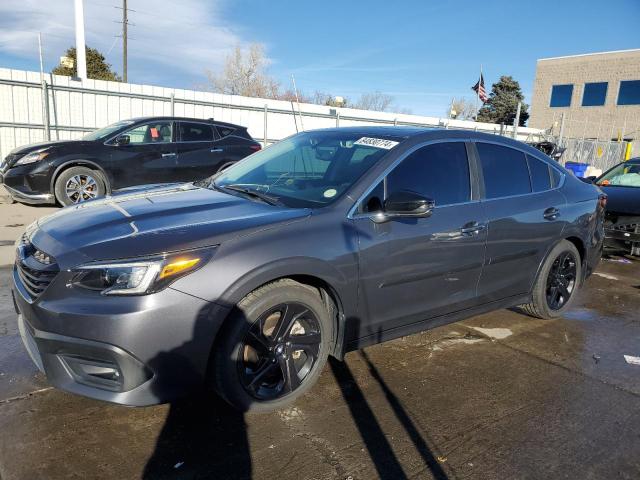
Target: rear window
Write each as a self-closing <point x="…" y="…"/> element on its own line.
<point x="195" y="132"/>
<point x="504" y="170"/>
<point x="540" y="178"/>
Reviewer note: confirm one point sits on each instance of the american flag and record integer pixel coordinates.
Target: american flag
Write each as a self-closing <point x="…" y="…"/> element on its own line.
<point x="479" y="89"/>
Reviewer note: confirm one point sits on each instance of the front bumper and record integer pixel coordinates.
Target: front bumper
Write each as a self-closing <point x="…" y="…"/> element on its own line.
<point x="623" y="237"/>
<point x="129" y="350"/>
<point x="30" y="197"/>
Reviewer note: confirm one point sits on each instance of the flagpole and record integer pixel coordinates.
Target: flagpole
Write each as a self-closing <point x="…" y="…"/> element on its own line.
<point x="478" y="93"/>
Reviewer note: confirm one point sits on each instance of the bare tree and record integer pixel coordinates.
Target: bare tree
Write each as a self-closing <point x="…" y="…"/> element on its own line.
<point x="464" y="109"/>
<point x="244" y="73"/>
<point x="377" y="101"/>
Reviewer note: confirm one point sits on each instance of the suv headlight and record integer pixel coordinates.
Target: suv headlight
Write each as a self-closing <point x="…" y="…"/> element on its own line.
<point x="138" y="276"/>
<point x="32" y="157"/>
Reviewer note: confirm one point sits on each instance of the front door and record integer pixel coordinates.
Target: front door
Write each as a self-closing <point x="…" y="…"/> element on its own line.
<point x="198" y="156"/>
<point x="147" y="155"/>
<point x="416" y="268"/>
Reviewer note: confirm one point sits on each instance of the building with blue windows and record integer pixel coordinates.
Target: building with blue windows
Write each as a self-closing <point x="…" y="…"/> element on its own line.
<point x="594" y="95"/>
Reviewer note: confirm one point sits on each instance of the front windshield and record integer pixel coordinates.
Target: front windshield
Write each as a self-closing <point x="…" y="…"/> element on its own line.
<point x="311" y="169"/>
<point x="104" y="132"/>
<point x="624" y="175"/>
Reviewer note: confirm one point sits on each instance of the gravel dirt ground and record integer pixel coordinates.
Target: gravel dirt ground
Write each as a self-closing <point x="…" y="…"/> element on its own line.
<point x="497" y="396"/>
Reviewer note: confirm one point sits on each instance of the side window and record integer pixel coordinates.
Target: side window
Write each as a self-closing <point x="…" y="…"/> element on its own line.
<point x="373" y="201"/>
<point x="439" y="171"/>
<point x="224" y="131"/>
<point x="504" y="170"/>
<point x="156" y="132"/>
<point x="195" y="132"/>
<point x="540" y="177"/>
<point x="556" y="176"/>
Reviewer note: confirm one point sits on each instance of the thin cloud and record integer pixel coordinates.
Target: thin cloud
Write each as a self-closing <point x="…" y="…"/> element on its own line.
<point x="189" y="36"/>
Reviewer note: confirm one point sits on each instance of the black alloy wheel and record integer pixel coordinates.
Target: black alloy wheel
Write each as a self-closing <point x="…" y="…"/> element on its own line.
<point x="561" y="280"/>
<point x="279" y="351"/>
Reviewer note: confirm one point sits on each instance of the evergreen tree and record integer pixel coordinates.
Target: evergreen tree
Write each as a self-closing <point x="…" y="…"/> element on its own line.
<point x="97" y="67"/>
<point x="502" y="104"/>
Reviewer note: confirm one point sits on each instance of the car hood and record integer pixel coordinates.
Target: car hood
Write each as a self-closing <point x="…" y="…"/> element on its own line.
<point x="149" y="222"/>
<point x="624" y="200"/>
<point x="23" y="150"/>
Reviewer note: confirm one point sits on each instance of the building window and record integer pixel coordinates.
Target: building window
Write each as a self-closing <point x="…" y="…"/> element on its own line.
<point x="561" y="95"/>
<point x="629" y="93"/>
<point x="594" y="94"/>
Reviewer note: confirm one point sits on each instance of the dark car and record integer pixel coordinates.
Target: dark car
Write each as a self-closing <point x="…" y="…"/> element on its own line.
<point x="323" y="243"/>
<point x="622" y="218"/>
<point x="140" y="151"/>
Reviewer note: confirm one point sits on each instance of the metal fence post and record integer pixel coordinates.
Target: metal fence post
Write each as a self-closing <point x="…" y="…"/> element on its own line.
<point x="395" y="122"/>
<point x="516" y="121"/>
<point x="266" y="114"/>
<point x="173" y="104"/>
<point x="45" y="110"/>
<point x="337" y="118"/>
<point x="561" y="129"/>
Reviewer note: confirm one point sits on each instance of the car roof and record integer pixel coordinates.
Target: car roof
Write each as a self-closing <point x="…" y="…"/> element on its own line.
<point x="186" y="119"/>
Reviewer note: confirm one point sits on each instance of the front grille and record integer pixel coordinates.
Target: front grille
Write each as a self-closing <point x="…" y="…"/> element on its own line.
<point x="34" y="281"/>
<point x="8" y="162"/>
<point x="35" y="269"/>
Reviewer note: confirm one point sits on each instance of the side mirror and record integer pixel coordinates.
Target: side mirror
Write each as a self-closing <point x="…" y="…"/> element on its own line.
<point x="122" y="140"/>
<point x="406" y="204"/>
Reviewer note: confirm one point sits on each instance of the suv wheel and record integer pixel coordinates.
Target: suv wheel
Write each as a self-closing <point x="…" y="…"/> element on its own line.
<point x="77" y="185"/>
<point x="273" y="347"/>
<point x="557" y="282"/>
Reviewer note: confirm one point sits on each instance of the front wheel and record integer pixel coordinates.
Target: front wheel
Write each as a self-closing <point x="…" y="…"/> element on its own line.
<point x="77" y="185"/>
<point x="557" y="282"/>
<point x="273" y="346"/>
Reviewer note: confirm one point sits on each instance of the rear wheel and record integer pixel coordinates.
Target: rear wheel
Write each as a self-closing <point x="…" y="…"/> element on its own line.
<point x="78" y="185"/>
<point x="273" y="347"/>
<point x="557" y="282"/>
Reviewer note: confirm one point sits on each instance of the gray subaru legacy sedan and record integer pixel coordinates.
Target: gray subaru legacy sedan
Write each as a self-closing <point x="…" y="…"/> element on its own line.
<point x="325" y="242"/>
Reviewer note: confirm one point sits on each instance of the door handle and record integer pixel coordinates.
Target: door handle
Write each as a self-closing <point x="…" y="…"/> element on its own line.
<point x="214" y="150"/>
<point x="164" y="155"/>
<point x="551" y="213"/>
<point x="472" y="228"/>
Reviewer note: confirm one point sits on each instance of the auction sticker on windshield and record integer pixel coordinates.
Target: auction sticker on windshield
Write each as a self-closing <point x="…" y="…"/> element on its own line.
<point x="376" y="142"/>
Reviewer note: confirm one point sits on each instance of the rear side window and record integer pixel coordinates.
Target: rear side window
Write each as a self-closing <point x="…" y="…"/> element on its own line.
<point x="540" y="178"/>
<point x="439" y="171"/>
<point x="504" y="170"/>
<point x="225" y="131"/>
<point x="195" y="132"/>
<point x="556" y="176"/>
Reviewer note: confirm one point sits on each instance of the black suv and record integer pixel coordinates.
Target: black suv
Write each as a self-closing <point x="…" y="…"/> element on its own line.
<point x="139" y="151"/>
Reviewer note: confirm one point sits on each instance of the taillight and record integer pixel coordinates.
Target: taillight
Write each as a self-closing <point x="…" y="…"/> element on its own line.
<point x="256" y="147"/>
<point x="602" y="201"/>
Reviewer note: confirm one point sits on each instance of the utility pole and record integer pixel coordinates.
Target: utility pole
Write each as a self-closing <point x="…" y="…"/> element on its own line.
<point x="125" y="36"/>
<point x="124" y="40"/>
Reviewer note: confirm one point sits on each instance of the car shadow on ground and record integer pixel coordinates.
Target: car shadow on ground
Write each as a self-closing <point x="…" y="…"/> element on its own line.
<point x="204" y="437"/>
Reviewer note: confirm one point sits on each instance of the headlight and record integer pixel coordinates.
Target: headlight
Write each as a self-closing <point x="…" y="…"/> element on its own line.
<point x="138" y="277"/>
<point x="32" y="157"/>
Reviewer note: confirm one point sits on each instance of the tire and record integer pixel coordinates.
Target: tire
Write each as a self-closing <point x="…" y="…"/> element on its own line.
<point x="560" y="275"/>
<point x="255" y="369"/>
<point x="86" y="183"/>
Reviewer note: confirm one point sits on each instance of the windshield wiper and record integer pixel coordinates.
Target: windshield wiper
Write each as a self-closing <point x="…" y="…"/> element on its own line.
<point x="252" y="193"/>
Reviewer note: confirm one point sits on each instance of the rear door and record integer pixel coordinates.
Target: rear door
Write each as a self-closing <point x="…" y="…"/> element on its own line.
<point x="415" y="268"/>
<point x="524" y="217"/>
<point x="198" y="155"/>
<point x="148" y="157"/>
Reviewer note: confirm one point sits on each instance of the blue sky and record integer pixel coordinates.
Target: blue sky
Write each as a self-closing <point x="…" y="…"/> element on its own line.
<point x="421" y="52"/>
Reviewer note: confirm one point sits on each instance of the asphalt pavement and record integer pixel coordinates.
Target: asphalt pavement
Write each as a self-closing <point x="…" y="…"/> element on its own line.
<point x="498" y="396"/>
